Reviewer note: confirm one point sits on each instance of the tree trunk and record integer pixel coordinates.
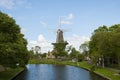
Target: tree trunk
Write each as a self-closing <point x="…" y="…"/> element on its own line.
<point x="103" y="62"/>
<point x="119" y="62"/>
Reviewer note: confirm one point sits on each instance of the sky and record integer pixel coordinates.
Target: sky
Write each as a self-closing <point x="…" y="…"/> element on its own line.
<point x="40" y="19"/>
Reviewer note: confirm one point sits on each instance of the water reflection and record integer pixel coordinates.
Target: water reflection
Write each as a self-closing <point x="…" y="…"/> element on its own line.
<point x="55" y="72"/>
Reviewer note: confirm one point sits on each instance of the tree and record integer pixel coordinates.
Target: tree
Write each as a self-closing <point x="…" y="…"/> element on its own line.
<point x="35" y="52"/>
<point x="105" y="44"/>
<point x="103" y="28"/>
<point x="74" y="54"/>
<point x="115" y="43"/>
<point x="69" y="48"/>
<point x="13" y="48"/>
<point x="84" y="48"/>
<point x="43" y="55"/>
<point x="37" y="49"/>
<point x="59" y="50"/>
<point x="99" y="45"/>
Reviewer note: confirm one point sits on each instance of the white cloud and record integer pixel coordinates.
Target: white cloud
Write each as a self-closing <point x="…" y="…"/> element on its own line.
<point x="67" y="20"/>
<point x="43" y="23"/>
<point x="8" y="4"/>
<point x="41" y="38"/>
<point x="10" y="15"/>
<point x="23" y="31"/>
<point x="76" y="40"/>
<point x="23" y="3"/>
<point x="42" y="42"/>
<point x="70" y="16"/>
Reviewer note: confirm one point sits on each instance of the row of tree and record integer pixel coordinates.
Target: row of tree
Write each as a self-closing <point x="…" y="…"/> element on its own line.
<point x="69" y="54"/>
<point x="13" y="50"/>
<point x="104" y="46"/>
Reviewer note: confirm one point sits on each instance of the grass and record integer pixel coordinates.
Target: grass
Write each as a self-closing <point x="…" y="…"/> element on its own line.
<point x="101" y="71"/>
<point x="9" y="73"/>
<point x="108" y="73"/>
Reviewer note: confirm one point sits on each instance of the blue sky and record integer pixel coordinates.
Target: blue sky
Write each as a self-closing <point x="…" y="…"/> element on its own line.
<point x="39" y="19"/>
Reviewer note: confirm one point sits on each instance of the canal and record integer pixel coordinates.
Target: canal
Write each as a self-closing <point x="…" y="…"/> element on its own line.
<point x="55" y="72"/>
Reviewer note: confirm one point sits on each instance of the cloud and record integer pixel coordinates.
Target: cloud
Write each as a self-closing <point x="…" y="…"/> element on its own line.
<point x="24" y="4"/>
<point x="42" y="42"/>
<point x="10" y="15"/>
<point x="70" y="16"/>
<point x="67" y="20"/>
<point x="43" y="23"/>
<point x="23" y="31"/>
<point x="8" y="4"/>
<point x="76" y="40"/>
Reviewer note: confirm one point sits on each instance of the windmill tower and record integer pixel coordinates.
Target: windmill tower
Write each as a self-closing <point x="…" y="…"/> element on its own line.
<point x="59" y="38"/>
<point x="60" y="45"/>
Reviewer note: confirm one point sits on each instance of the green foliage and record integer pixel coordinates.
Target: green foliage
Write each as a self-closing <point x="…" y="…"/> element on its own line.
<point x="59" y="49"/>
<point x="74" y="54"/>
<point x="93" y="68"/>
<point x="80" y="57"/>
<point x="101" y="29"/>
<point x="43" y="55"/>
<point x="105" y="42"/>
<point x="13" y="48"/>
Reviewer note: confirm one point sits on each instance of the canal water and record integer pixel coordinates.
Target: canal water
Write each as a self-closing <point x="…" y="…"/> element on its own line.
<point x="55" y="72"/>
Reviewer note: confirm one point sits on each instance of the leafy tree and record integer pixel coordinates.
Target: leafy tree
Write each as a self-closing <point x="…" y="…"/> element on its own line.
<point x="43" y="55"/>
<point x="37" y="49"/>
<point x="99" y="44"/>
<point x="13" y="48"/>
<point x="74" y="54"/>
<point x="84" y="48"/>
<point x="115" y="43"/>
<point x="59" y="49"/>
<point x="103" y="28"/>
<point x="105" y="43"/>
<point x="114" y="27"/>
<point x="68" y="49"/>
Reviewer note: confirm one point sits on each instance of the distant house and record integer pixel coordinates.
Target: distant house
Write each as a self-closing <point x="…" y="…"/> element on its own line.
<point x="74" y="60"/>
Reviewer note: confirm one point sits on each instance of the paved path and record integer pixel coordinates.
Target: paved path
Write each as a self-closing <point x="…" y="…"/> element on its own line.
<point x="2" y="68"/>
<point x="116" y="70"/>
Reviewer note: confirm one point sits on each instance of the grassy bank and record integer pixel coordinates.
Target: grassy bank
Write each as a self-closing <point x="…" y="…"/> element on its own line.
<point x="108" y="73"/>
<point x="101" y="71"/>
<point x="9" y="73"/>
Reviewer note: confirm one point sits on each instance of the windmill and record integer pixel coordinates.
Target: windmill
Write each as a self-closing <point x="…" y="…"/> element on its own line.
<point x="60" y="32"/>
<point x="60" y="44"/>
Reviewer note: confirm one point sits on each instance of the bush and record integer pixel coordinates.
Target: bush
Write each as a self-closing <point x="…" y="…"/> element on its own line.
<point x="93" y="68"/>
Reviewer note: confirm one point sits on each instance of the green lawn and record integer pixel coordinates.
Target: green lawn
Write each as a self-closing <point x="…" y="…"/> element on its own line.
<point x="102" y="71"/>
<point x="9" y="73"/>
<point x="108" y="73"/>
